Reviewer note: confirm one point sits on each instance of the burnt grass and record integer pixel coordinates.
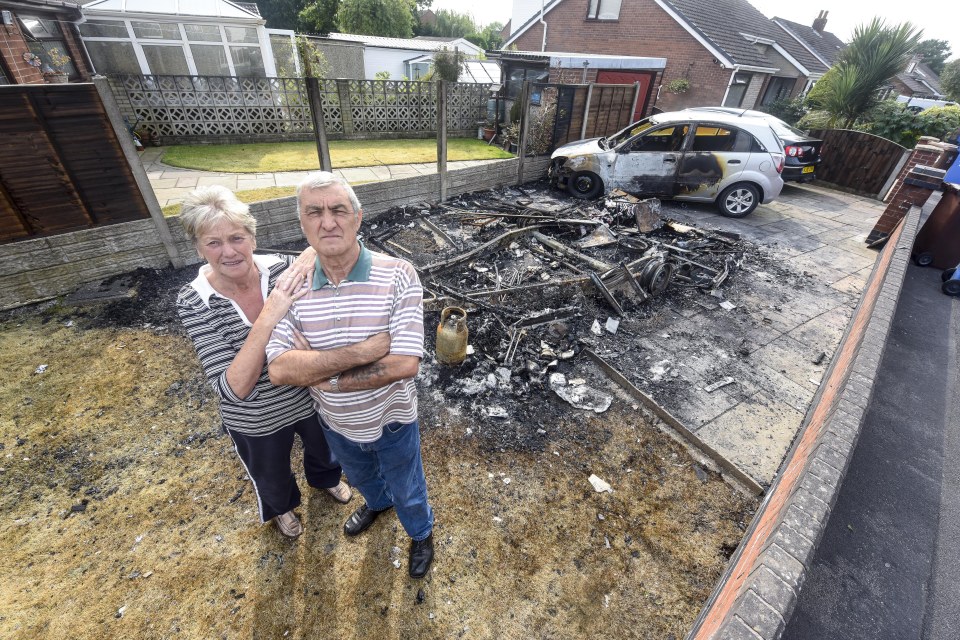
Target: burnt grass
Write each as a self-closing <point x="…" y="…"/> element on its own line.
<point x="127" y="513"/>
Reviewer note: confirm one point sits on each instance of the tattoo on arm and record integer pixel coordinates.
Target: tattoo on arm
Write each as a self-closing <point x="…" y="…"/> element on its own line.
<point x="367" y="372"/>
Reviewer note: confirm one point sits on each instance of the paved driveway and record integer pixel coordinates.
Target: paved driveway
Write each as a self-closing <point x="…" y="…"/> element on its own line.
<point x="792" y="305"/>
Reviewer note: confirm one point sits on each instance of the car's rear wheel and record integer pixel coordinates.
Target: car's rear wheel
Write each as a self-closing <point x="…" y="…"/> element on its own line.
<point x="738" y="200"/>
<point x="584" y="184"/>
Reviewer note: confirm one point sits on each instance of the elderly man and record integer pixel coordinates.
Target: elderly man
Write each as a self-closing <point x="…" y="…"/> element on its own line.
<point x="369" y="412"/>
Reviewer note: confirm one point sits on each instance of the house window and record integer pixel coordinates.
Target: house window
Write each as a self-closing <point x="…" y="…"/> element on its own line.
<point x="777" y="89"/>
<point x="737" y="89"/>
<point x="210" y="59"/>
<point x="44" y="36"/>
<point x="156" y="30"/>
<point x="247" y="61"/>
<point x="202" y="32"/>
<point x="603" y="10"/>
<point x="246" y="35"/>
<point x="113" y="57"/>
<point x="419" y="69"/>
<point x="166" y="60"/>
<point x="104" y="29"/>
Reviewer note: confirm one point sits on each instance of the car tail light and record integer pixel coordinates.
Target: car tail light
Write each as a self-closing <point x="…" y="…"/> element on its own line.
<point x="792" y="151"/>
<point x="778" y="160"/>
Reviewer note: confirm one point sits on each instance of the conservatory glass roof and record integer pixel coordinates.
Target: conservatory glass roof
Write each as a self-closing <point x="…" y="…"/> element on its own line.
<point x="209" y="8"/>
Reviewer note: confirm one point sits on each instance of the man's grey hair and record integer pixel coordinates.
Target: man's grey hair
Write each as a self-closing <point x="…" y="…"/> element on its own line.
<point x="206" y="207"/>
<point x="324" y="179"/>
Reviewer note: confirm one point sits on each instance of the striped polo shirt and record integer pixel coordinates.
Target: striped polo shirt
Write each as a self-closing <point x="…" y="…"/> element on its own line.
<point x="218" y="328"/>
<point x="381" y="293"/>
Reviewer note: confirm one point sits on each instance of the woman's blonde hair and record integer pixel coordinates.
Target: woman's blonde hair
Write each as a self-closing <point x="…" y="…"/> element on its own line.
<point x="207" y="206"/>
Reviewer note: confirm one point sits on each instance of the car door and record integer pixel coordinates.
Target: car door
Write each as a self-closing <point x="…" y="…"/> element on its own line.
<point x="646" y="165"/>
<point x="718" y="153"/>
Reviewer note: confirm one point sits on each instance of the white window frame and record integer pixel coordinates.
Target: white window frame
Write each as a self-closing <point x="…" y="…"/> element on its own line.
<point x="263" y="43"/>
<point x="595" y="8"/>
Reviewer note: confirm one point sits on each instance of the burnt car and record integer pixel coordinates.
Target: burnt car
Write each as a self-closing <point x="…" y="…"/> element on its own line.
<point x="697" y="156"/>
<point x="802" y="151"/>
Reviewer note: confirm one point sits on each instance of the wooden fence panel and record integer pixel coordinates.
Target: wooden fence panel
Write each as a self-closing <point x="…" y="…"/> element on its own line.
<point x="857" y="160"/>
<point x="61" y="165"/>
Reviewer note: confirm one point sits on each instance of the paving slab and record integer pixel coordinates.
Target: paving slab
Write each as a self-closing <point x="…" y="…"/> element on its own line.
<point x="754" y="434"/>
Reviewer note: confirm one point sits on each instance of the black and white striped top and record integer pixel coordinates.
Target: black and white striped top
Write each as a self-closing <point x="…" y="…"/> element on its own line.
<point x="218" y="329"/>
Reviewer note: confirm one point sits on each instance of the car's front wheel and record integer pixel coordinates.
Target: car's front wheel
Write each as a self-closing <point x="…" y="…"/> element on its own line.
<point x="584" y="184"/>
<point x="739" y="200"/>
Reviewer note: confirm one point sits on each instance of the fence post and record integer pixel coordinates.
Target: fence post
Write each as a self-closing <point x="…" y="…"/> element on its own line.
<point x="522" y="142"/>
<point x="442" y="137"/>
<point x="319" y="129"/>
<point x="112" y="110"/>
<point x="346" y="113"/>
<point x="586" y="111"/>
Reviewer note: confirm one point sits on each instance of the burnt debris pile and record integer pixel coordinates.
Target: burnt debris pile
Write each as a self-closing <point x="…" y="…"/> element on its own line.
<point x="544" y="282"/>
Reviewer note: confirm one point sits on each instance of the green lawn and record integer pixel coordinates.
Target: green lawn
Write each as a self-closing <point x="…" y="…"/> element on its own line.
<point x="301" y="156"/>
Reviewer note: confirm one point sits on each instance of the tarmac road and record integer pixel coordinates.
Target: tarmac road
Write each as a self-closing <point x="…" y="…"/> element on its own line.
<point x="888" y="566"/>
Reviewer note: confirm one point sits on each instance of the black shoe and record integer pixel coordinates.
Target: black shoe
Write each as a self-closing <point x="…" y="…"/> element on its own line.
<point x="361" y="520"/>
<point x="421" y="556"/>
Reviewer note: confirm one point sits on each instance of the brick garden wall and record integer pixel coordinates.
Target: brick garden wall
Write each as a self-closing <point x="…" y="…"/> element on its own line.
<point x="42" y="268"/>
<point x="12" y="48"/>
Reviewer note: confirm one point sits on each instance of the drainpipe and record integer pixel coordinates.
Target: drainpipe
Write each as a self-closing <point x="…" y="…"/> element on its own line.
<point x="733" y="74"/>
<point x="543" y="45"/>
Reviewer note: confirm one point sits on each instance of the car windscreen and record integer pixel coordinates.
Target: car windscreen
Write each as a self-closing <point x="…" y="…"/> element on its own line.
<point x="628" y="132"/>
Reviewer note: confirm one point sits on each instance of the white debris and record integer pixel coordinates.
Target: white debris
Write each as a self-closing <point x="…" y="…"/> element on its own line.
<point x="718" y="384"/>
<point x="496" y="412"/>
<point x="612" y="325"/>
<point x="503" y="375"/>
<point x="497" y="519"/>
<point x="469" y="431"/>
<point x="595" y="328"/>
<point x="576" y="381"/>
<point x="660" y="369"/>
<point x="580" y="396"/>
<point x="599" y="485"/>
<point x="470" y="350"/>
<point x="396" y="564"/>
<point x="41" y="368"/>
<point x="506" y="481"/>
<point x="566" y="355"/>
<point x="729" y="306"/>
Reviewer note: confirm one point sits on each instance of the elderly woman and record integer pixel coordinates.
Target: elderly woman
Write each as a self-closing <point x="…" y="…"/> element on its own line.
<point x="230" y="310"/>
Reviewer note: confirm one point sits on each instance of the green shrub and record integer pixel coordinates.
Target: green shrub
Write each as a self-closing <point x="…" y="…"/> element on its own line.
<point x="817" y="119"/>
<point x="790" y="111"/>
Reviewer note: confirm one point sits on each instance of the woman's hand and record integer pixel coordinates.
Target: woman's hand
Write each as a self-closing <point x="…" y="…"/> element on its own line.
<point x="291" y="286"/>
<point x="305" y="264"/>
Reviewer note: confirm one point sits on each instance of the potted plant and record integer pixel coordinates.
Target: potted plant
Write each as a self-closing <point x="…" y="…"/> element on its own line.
<point x="489" y="130"/>
<point x="53" y="70"/>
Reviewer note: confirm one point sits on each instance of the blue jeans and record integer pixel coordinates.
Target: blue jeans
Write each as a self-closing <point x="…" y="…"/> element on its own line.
<point x="388" y="473"/>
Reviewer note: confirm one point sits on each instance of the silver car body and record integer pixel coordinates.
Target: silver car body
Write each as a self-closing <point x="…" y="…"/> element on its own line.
<point x="686" y="168"/>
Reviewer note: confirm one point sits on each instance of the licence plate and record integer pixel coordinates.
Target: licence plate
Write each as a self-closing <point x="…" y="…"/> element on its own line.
<point x="808" y="169"/>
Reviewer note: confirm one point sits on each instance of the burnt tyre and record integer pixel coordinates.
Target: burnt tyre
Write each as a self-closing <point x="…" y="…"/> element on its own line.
<point x="584" y="184"/>
<point x="738" y="200"/>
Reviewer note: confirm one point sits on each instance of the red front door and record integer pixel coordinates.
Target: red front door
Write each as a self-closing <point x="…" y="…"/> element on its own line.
<point x="645" y="78"/>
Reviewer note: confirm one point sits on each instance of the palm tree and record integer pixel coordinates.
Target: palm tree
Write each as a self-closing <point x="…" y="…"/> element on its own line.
<point x="876" y="54"/>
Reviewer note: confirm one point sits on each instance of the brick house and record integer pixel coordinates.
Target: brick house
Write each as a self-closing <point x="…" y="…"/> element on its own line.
<point x="30" y="30"/>
<point x="726" y="50"/>
<point x="918" y="81"/>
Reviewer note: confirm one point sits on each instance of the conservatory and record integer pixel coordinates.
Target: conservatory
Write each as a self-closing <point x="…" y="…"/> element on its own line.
<point x="183" y="37"/>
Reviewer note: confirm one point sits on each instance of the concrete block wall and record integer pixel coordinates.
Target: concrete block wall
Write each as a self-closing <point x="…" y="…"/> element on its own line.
<point x="42" y="268"/>
<point x="756" y="596"/>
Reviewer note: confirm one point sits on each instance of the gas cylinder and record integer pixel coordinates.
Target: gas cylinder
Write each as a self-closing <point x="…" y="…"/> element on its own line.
<point x="452" y="336"/>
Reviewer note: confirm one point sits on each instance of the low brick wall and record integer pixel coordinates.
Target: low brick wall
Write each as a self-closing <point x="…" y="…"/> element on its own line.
<point x="756" y="596"/>
<point x="43" y="268"/>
